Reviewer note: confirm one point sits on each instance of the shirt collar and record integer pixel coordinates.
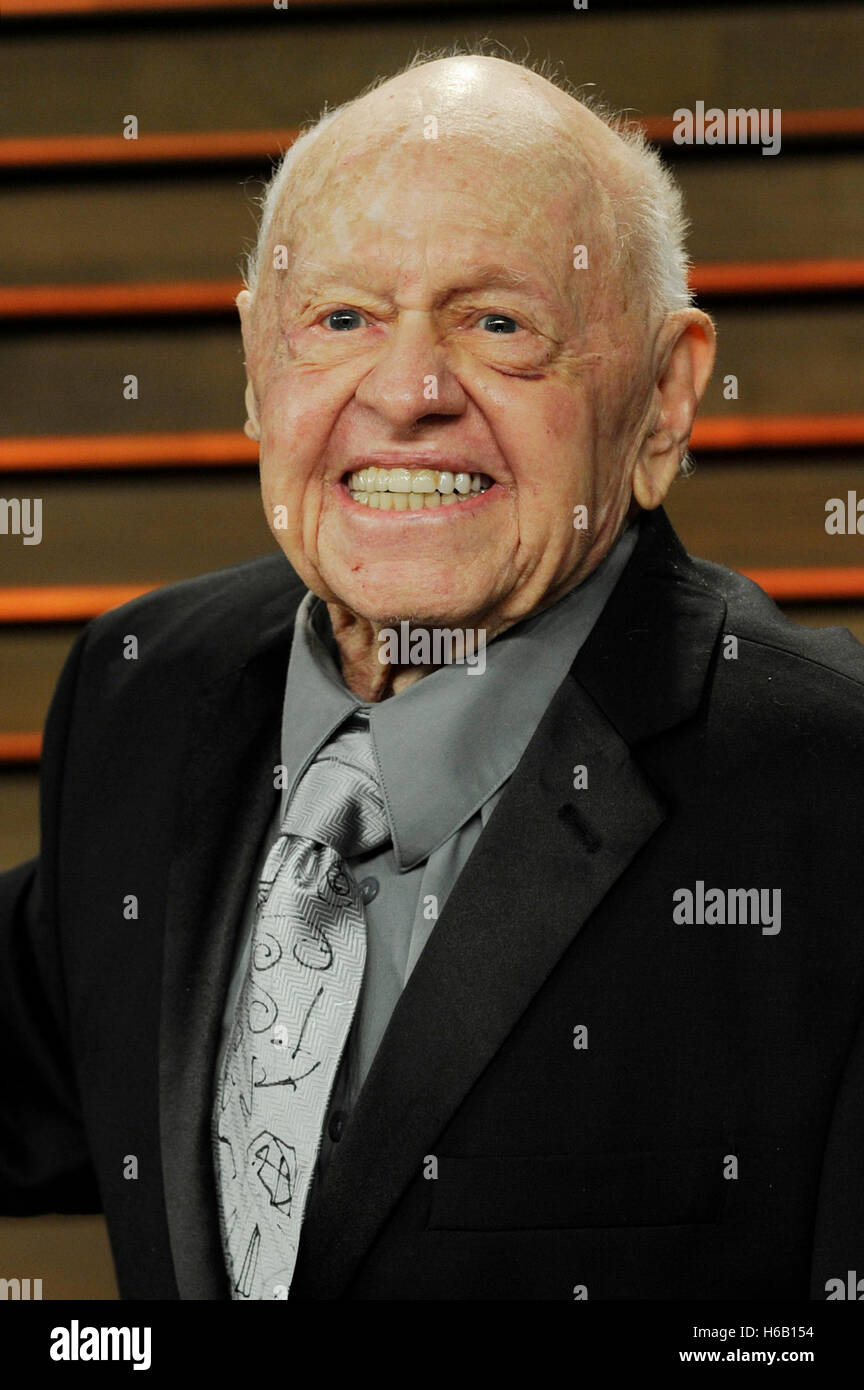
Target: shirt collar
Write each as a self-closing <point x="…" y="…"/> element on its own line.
<point x="448" y="742"/>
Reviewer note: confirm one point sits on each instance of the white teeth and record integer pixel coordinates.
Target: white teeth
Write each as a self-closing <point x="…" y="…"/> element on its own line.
<point x="406" y="489"/>
<point x="399" y="480"/>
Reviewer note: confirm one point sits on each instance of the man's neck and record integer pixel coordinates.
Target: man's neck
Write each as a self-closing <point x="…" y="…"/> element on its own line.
<point x="359" y="651"/>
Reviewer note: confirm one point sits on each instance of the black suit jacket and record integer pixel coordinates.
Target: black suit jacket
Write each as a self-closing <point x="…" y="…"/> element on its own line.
<point x="708" y="1142"/>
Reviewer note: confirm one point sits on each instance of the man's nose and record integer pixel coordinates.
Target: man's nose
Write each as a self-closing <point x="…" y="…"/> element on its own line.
<point x="413" y="376"/>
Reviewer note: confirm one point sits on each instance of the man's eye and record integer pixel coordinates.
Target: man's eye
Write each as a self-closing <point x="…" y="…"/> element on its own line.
<point x="499" y="323"/>
<point x="341" y="320"/>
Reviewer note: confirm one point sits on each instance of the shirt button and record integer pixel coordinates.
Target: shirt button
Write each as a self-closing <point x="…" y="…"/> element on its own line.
<point x="336" y="1125"/>
<point x="369" y="889"/>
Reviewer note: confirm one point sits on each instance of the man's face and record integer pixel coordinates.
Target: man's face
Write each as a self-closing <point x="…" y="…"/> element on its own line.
<point x="431" y="319"/>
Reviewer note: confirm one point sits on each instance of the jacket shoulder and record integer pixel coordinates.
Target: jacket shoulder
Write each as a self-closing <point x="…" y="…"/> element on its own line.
<point x="753" y="617"/>
<point x="202" y="625"/>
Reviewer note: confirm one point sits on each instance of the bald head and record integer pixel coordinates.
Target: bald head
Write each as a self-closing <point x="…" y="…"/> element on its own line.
<point x="486" y="111"/>
<point x="472" y="94"/>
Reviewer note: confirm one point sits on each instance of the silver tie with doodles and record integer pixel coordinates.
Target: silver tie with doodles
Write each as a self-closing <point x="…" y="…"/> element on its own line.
<point x="294" y="1012"/>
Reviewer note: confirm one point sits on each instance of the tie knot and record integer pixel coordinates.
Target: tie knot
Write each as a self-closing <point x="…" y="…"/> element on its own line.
<point x="338" y="801"/>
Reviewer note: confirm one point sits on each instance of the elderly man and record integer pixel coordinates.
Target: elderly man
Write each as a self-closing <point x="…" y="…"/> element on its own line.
<point x="349" y="970"/>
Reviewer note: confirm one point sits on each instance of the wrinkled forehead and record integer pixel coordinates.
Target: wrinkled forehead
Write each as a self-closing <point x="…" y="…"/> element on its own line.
<point x="439" y="190"/>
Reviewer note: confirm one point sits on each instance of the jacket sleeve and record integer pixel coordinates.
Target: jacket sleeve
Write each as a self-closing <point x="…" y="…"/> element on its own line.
<point x="44" y="1160"/>
<point x="838" y="1248"/>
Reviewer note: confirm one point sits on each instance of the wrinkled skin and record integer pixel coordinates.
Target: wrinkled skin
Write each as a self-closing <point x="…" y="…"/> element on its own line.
<point x="453" y="258"/>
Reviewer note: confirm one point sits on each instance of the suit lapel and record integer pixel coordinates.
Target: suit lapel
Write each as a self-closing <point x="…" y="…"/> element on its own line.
<point x="226" y="800"/>
<point x="502" y="930"/>
<point x="500" y="935"/>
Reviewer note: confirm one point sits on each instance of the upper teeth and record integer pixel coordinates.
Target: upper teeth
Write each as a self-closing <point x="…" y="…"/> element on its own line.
<point x="414" y="488"/>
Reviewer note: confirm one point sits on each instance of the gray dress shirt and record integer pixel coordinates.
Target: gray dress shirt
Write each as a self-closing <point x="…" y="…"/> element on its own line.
<point x="445" y="748"/>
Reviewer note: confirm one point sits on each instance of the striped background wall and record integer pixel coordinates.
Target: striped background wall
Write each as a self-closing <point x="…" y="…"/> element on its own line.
<point x="122" y="257"/>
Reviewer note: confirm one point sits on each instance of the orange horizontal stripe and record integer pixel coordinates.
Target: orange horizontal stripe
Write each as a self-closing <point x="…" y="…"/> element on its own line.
<point x="42" y="151"/>
<point x="38" y="151"/>
<point x="816" y="584"/>
<point x="180" y="449"/>
<point x="832" y="121"/>
<point x="64" y="603"/>
<point x="774" y="277"/>
<point x="180" y="297"/>
<point x="717" y="433"/>
<point x="224" y="448"/>
<point x="49" y="603"/>
<point x="218" y="296"/>
<point x="49" y="7"/>
<point x="22" y="8"/>
<point x="20" y="747"/>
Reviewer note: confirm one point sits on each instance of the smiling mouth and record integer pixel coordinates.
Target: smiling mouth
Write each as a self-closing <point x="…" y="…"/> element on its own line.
<point x="414" y="489"/>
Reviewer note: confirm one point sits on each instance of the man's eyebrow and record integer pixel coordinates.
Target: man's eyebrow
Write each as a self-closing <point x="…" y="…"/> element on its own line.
<point x="500" y="277"/>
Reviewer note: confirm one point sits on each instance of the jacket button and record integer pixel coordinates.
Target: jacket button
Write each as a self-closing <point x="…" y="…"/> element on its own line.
<point x="336" y="1125"/>
<point x="369" y="889"/>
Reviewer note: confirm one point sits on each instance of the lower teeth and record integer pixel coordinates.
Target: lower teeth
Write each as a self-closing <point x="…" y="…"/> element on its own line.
<point x="412" y="501"/>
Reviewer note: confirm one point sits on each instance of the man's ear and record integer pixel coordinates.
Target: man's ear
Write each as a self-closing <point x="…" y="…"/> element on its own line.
<point x="685" y="357"/>
<point x="252" y="427"/>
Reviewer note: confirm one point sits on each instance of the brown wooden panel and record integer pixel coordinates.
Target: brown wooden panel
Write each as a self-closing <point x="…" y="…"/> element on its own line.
<point x="19" y="819"/>
<point x="751" y="515"/>
<point x="131" y="529"/>
<point x="70" y="380"/>
<point x="31" y="659"/>
<point x="70" y="1254"/>
<point x="802" y="205"/>
<point x="789" y="358"/>
<point x="128" y="228"/>
<point x="238" y="75"/>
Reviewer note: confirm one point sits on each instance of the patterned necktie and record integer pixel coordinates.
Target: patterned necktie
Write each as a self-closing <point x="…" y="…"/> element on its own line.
<point x="294" y="1012"/>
